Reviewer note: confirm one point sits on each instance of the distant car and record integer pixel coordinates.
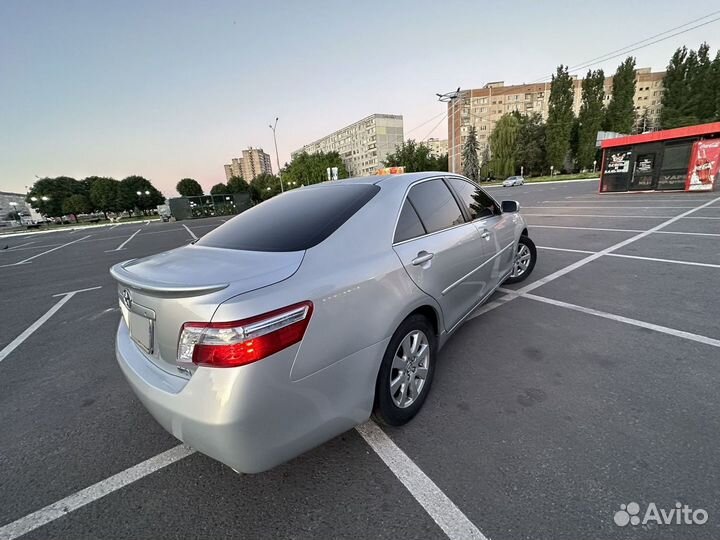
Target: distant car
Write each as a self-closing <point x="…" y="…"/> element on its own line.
<point x="514" y="181"/>
<point x="299" y="318"/>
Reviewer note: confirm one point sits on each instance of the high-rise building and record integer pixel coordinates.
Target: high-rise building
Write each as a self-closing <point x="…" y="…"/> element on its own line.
<point x="438" y="147"/>
<point x="253" y="163"/>
<point x="364" y="145"/>
<point x="483" y="107"/>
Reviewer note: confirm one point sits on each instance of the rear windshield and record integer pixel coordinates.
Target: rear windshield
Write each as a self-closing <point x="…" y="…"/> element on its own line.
<point x="294" y="221"/>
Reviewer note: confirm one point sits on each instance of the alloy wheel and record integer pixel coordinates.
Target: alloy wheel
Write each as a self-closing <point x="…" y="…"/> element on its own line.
<point x="409" y="370"/>
<point x="522" y="261"/>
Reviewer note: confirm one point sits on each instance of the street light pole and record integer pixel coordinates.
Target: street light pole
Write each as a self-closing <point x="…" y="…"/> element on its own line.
<point x="277" y="156"/>
<point x="450" y="98"/>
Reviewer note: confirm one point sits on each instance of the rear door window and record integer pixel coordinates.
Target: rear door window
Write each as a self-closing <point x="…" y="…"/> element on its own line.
<point x="477" y="203"/>
<point x="435" y="205"/>
<point x="409" y="224"/>
<point x="297" y="220"/>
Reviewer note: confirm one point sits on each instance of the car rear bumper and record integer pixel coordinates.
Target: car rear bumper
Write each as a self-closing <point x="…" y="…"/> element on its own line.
<point x="253" y="417"/>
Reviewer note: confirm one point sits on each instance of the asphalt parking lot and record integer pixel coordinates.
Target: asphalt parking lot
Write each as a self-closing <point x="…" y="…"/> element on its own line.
<point x="592" y="384"/>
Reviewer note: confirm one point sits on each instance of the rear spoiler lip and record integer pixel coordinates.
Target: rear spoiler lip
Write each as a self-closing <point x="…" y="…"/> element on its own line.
<point x="125" y="277"/>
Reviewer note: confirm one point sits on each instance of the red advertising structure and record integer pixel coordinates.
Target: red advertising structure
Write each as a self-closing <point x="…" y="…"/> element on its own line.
<point x="679" y="159"/>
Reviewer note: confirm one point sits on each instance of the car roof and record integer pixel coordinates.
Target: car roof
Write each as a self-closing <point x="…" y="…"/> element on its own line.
<point x="405" y="178"/>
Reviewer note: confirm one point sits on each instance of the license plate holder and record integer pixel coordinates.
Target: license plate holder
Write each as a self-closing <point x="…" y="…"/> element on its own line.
<point x="141" y="330"/>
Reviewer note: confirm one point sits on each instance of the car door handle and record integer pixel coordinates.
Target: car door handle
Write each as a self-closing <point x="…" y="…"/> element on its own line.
<point x="422" y="257"/>
<point x="485" y="235"/>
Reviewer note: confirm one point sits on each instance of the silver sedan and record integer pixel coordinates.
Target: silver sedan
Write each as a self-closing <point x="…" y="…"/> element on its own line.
<point x="305" y="315"/>
<point x="513" y="181"/>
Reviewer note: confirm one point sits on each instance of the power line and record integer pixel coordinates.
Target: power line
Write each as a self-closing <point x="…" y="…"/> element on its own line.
<point x="630" y="48"/>
<point x="425" y="123"/>
<point x="435" y="127"/>
<point x="621" y="50"/>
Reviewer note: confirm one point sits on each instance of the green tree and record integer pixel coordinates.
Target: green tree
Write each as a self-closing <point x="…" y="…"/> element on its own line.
<point x="103" y="193"/>
<point x="265" y="186"/>
<point x="306" y="169"/>
<point x="716" y="84"/>
<point x="219" y="189"/>
<point x="415" y="157"/>
<point x="48" y="194"/>
<point x="620" y="113"/>
<point x="188" y="187"/>
<point x="675" y="110"/>
<point x="644" y="122"/>
<point x="530" y="144"/>
<point x="590" y="118"/>
<point x="503" y="145"/>
<point x="470" y="156"/>
<point x="138" y="192"/>
<point x="703" y="91"/>
<point x="77" y="204"/>
<point x="560" y="118"/>
<point x="236" y="184"/>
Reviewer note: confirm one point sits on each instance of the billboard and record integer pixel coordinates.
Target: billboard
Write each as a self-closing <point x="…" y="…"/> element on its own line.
<point x="618" y="162"/>
<point x="390" y="170"/>
<point x="704" y="166"/>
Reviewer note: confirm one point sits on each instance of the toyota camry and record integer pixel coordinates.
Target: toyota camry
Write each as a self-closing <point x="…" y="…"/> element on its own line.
<point x="305" y="315"/>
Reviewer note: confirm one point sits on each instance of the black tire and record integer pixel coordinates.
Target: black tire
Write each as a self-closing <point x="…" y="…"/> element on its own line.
<point x="515" y="277"/>
<point x="385" y="410"/>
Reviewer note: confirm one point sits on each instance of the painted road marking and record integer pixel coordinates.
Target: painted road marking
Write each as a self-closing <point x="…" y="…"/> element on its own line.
<point x="618" y="230"/>
<point x="122" y="246"/>
<point x="613" y="216"/>
<point x="590" y="258"/>
<point x="627" y="320"/>
<point x="638" y="257"/>
<point x="25" y="261"/>
<point x="189" y="231"/>
<point x="586" y="260"/>
<point x="441" y="509"/>
<point x="30" y="330"/>
<point x="21" y="245"/>
<point x="90" y="494"/>
<point x="614" y="207"/>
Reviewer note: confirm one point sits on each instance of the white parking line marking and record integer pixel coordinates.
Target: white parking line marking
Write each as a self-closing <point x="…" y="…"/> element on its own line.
<point x="90" y="494"/>
<point x="122" y="246"/>
<point x="30" y="330"/>
<point x="568" y="250"/>
<point x="585" y="260"/>
<point x="613" y="216"/>
<point x="441" y="509"/>
<point x="48" y="251"/>
<point x="627" y="320"/>
<point x="77" y="291"/>
<point x="22" y="245"/>
<point x="559" y="273"/>
<point x="638" y="257"/>
<point x="614" y="207"/>
<point x="191" y="233"/>
<point x="604" y="199"/>
<point x="584" y="228"/>
<point x="618" y="230"/>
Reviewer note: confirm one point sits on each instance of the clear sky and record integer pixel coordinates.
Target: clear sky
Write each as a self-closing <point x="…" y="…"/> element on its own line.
<point x="169" y="89"/>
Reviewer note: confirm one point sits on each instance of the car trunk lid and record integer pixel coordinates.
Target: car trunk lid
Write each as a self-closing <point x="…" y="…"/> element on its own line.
<point x="158" y="294"/>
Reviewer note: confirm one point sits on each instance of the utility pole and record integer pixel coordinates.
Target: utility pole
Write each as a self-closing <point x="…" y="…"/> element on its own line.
<point x="450" y="98"/>
<point x="277" y="156"/>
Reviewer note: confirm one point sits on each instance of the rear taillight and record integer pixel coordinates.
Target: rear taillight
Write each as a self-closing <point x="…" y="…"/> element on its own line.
<point x="236" y="343"/>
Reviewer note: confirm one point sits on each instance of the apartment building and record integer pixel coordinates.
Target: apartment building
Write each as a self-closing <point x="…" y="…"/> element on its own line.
<point x="253" y="163"/>
<point x="483" y="107"/>
<point x="438" y="147"/>
<point x="363" y="145"/>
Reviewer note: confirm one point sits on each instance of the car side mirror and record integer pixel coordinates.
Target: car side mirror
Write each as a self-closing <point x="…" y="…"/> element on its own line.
<point x="510" y="206"/>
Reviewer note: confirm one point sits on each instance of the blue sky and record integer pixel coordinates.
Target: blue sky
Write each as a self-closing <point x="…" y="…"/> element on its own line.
<point x="169" y="89"/>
